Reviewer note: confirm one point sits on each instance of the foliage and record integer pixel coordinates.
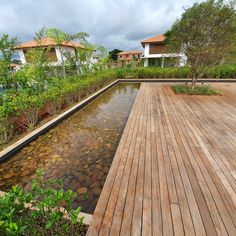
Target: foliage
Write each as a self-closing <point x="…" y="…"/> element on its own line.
<point x="102" y="58"/>
<point x="29" y="104"/>
<point x="33" y="75"/>
<point x="113" y="54"/>
<point x="206" y="34"/>
<point x="52" y="97"/>
<point x="59" y="37"/>
<point x="38" y="211"/>
<point x="8" y="114"/>
<point x="197" y="90"/>
<point x="92" y="58"/>
<point x="224" y="71"/>
<point x="6" y="46"/>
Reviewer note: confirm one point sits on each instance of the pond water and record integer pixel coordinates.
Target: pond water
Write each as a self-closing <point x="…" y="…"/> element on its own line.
<point x="79" y="151"/>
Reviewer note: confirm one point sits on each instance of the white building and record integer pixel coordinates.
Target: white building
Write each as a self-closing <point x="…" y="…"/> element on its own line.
<point x="55" y="54"/>
<point x="156" y="55"/>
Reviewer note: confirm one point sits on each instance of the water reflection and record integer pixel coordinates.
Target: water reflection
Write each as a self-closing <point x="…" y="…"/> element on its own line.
<point x="79" y="150"/>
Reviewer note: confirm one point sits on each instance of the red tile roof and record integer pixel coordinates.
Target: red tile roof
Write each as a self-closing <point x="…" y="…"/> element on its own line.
<point x="46" y="42"/>
<point x="130" y="52"/>
<point x="156" y="39"/>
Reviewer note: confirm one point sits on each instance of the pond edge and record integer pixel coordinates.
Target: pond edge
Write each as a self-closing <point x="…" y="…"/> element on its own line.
<point x="15" y="147"/>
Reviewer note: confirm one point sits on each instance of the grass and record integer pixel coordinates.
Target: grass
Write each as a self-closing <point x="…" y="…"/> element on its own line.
<point x="197" y="90"/>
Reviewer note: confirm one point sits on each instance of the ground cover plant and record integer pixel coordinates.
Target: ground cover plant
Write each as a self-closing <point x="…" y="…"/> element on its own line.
<point x="196" y="90"/>
<point x="41" y="210"/>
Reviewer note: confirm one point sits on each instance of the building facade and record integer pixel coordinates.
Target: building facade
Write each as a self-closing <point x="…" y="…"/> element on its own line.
<point x="155" y="53"/>
<point x="55" y="54"/>
<point x="126" y="57"/>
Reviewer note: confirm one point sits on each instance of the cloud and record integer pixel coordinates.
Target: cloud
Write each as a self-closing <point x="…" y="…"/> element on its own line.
<point x="114" y="24"/>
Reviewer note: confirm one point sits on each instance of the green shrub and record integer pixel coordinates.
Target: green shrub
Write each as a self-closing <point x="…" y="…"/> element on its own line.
<point x="196" y="90"/>
<point x="53" y="99"/>
<point x="224" y="71"/>
<point x="29" y="104"/>
<point x="8" y="114"/>
<point x="38" y="211"/>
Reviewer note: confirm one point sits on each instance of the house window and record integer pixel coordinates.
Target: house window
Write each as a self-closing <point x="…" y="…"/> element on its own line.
<point x="156" y="48"/>
<point x="154" y="62"/>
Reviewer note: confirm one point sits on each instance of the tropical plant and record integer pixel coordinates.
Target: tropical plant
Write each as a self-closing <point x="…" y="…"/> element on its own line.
<point x="41" y="210"/>
<point x="59" y="37"/>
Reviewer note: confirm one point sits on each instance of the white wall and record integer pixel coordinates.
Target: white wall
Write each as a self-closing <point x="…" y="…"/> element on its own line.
<point x="61" y="56"/>
<point x="146" y="50"/>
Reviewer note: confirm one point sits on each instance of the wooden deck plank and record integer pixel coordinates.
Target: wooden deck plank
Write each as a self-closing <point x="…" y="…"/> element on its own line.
<point x="190" y="184"/>
<point x="174" y="172"/>
<point x="225" y="215"/>
<point x="147" y="197"/>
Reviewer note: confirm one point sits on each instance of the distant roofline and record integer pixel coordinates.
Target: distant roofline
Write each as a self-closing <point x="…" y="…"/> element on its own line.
<point x="45" y="42"/>
<point x="130" y="52"/>
<point x="155" y="39"/>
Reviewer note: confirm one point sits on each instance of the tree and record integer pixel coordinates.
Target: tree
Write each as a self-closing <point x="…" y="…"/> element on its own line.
<point x="206" y="34"/>
<point x="102" y="57"/>
<point x="6" y="50"/>
<point x="33" y="74"/>
<point x="86" y="56"/>
<point x="113" y="54"/>
<point x="59" y="37"/>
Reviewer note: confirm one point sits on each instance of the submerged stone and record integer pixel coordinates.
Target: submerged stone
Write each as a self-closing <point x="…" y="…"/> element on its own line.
<point x="82" y="190"/>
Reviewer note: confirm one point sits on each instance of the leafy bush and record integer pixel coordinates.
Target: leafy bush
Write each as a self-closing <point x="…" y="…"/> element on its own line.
<point x="50" y="95"/>
<point x="39" y="211"/>
<point x="196" y="90"/>
<point x="225" y="71"/>
<point x="8" y="114"/>
<point x="29" y="104"/>
<point x="53" y="99"/>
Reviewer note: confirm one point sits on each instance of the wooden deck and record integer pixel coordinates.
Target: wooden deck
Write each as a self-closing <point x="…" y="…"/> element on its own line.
<point x="174" y="172"/>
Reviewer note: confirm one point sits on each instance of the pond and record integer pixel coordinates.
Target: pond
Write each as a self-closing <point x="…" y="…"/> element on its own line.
<point x="79" y="150"/>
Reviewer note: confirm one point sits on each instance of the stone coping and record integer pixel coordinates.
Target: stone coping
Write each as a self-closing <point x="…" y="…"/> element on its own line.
<point x="87" y="217"/>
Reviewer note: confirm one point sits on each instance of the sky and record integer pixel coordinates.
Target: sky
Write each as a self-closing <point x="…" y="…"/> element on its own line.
<point x="118" y="24"/>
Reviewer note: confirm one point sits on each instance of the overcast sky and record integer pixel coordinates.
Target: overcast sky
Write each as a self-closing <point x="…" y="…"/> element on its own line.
<point x="111" y="23"/>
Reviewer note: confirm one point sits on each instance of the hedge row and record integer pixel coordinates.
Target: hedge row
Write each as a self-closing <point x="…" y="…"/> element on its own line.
<point x="26" y="104"/>
<point x="226" y="71"/>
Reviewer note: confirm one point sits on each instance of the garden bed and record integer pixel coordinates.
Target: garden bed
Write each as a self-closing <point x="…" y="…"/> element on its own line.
<point x="195" y="90"/>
